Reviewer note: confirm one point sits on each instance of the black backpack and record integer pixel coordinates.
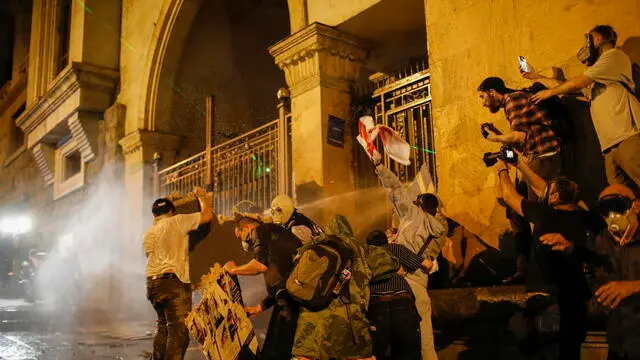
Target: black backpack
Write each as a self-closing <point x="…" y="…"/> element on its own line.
<point x="561" y="122"/>
<point x="321" y="273"/>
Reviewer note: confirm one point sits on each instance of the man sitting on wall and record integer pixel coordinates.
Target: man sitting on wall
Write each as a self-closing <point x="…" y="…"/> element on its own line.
<point x="615" y="110"/>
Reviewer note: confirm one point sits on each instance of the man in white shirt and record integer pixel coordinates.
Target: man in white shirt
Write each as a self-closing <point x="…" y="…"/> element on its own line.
<point x="166" y="245"/>
<point x="615" y="110"/>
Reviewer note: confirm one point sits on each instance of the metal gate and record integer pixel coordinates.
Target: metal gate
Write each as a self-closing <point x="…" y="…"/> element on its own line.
<point x="401" y="100"/>
<point x="255" y="166"/>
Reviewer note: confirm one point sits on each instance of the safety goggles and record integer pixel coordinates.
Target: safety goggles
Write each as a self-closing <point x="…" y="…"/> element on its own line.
<point x="613" y="203"/>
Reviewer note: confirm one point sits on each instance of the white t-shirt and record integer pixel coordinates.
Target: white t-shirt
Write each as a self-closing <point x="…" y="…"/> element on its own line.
<point x="614" y="110"/>
<point x="166" y="244"/>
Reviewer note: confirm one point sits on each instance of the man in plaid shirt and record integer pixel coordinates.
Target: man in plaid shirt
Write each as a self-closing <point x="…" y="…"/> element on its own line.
<point x="532" y="134"/>
<point x="530" y="126"/>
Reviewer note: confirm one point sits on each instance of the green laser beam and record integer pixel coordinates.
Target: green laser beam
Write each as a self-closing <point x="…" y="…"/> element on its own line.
<point x="422" y="149"/>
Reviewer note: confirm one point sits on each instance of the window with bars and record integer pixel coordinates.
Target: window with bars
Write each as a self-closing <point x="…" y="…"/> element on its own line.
<point x="64" y="34"/>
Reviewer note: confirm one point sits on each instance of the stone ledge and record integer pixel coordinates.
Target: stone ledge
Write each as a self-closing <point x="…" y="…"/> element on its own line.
<point x="81" y="87"/>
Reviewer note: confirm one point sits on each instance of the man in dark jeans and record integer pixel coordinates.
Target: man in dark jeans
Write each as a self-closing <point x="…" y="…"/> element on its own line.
<point x="166" y="245"/>
<point x="274" y="249"/>
<point x="562" y="280"/>
<point x="619" y="242"/>
<point x="392" y="308"/>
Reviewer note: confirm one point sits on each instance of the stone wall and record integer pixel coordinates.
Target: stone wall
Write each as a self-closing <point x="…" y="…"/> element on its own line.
<point x="470" y="40"/>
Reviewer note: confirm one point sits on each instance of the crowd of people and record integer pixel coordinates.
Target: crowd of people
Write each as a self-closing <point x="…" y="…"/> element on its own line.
<point x="553" y="225"/>
<point x="334" y="296"/>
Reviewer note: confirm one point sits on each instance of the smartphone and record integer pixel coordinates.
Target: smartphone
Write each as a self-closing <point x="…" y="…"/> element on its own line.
<point x="524" y="66"/>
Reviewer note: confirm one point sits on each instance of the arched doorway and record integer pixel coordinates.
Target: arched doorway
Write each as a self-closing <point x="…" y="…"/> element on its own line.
<point x="218" y="48"/>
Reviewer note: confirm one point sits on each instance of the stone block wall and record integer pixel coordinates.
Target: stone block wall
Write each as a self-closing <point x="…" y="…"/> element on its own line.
<point x="469" y="40"/>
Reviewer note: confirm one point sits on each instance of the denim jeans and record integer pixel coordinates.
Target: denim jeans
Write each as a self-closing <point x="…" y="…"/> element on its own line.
<point x="171" y="299"/>
<point x="397" y="329"/>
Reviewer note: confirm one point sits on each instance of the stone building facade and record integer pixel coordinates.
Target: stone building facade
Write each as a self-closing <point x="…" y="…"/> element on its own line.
<point x="98" y="87"/>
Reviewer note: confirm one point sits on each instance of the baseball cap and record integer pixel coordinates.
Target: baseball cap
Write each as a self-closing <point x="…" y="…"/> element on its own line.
<point x="162" y="206"/>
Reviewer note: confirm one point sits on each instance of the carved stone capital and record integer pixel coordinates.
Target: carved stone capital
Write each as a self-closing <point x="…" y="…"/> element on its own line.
<point x="319" y="55"/>
<point x="149" y="142"/>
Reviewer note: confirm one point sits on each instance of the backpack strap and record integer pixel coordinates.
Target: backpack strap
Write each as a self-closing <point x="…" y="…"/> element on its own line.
<point x="629" y="89"/>
<point x="425" y="245"/>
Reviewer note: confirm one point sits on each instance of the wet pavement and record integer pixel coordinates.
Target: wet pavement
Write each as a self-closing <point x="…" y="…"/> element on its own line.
<point x="25" y="334"/>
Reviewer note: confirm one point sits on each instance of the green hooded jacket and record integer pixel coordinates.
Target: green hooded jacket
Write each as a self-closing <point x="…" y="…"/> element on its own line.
<point x="341" y="330"/>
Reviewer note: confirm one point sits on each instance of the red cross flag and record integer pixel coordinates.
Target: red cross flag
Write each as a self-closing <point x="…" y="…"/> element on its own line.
<point x="394" y="145"/>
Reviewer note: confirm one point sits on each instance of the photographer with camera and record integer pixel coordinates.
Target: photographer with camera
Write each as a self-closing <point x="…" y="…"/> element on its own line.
<point x="532" y="133"/>
<point x="530" y="127"/>
<point x="562" y="286"/>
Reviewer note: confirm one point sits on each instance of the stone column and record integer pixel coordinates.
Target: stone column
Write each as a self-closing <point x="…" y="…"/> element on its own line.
<point x="138" y="148"/>
<point x="320" y="65"/>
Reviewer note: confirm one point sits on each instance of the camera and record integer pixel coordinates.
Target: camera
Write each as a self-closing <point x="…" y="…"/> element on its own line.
<point x="489" y="126"/>
<point x="506" y="154"/>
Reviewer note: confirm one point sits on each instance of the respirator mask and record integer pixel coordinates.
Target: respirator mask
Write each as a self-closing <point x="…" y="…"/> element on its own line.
<point x="588" y="54"/>
<point x="245" y="237"/>
<point x="617" y="213"/>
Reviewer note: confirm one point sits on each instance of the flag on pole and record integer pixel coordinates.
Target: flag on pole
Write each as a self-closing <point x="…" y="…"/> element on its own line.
<point x="394" y="145"/>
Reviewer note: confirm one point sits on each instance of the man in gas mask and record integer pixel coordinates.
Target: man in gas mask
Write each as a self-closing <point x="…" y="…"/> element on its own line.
<point x="274" y="249"/>
<point x="285" y="214"/>
<point x="614" y="108"/>
<point x="619" y="242"/>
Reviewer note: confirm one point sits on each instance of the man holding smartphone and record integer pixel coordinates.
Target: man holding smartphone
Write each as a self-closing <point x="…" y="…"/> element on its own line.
<point x="615" y="110"/>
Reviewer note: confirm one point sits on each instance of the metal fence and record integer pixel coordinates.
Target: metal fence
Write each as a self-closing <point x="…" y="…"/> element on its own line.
<point x="254" y="166"/>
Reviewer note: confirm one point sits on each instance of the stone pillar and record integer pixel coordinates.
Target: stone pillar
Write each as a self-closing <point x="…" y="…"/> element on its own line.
<point x="298" y="15"/>
<point x="138" y="148"/>
<point x="320" y="65"/>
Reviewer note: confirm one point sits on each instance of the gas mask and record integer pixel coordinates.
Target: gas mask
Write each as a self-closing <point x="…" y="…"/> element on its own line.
<point x="619" y="217"/>
<point x="588" y="54"/>
<point x="282" y="209"/>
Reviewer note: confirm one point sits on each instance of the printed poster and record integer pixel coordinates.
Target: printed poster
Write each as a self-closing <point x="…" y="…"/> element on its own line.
<point x="219" y="322"/>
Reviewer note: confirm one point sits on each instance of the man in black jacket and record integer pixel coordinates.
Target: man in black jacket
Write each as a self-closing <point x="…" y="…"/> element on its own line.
<point x="274" y="249"/>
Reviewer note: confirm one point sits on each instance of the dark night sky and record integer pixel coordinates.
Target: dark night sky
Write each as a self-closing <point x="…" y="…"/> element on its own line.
<point x="6" y="42"/>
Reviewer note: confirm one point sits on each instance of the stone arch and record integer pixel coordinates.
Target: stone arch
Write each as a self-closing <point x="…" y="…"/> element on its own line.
<point x="204" y="47"/>
<point x="168" y="39"/>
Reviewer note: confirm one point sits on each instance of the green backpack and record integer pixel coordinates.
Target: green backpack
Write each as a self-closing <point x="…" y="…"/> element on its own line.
<point x="321" y="273"/>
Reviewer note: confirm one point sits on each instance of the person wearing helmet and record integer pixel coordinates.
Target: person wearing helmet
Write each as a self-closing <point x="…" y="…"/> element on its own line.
<point x="285" y="214"/>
